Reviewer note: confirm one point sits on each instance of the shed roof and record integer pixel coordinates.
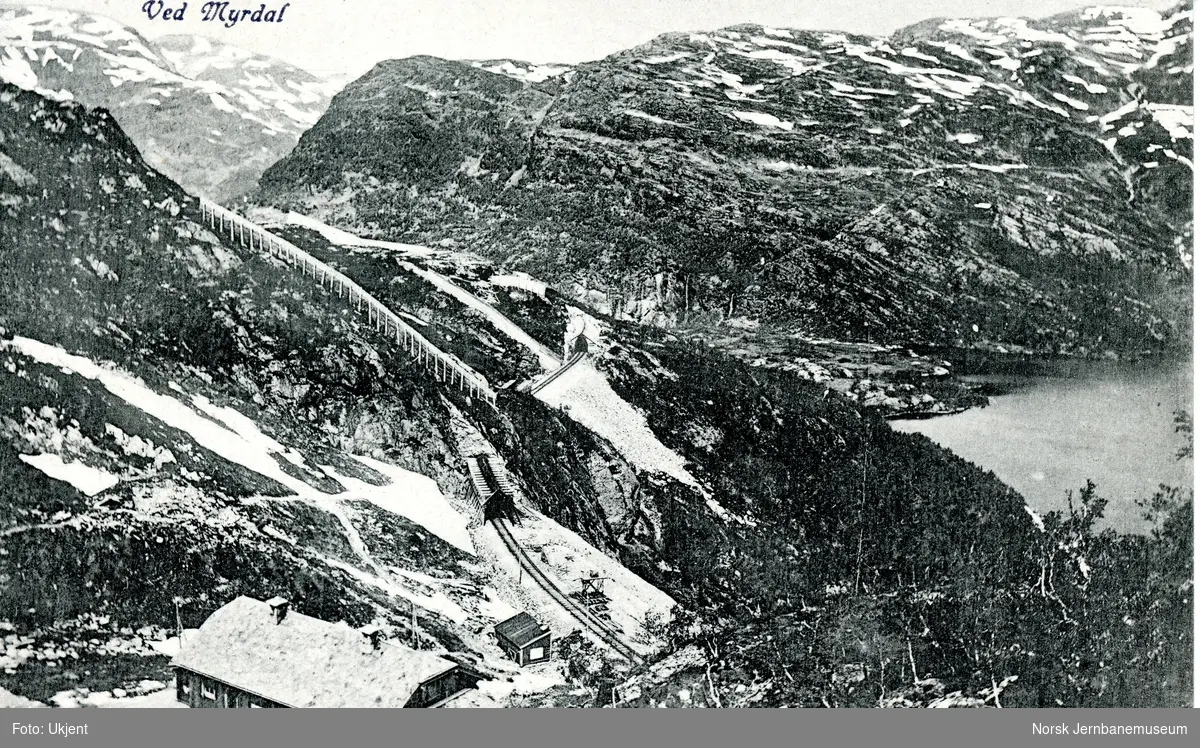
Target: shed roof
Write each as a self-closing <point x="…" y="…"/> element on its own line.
<point x="521" y="629"/>
<point x="304" y="661"/>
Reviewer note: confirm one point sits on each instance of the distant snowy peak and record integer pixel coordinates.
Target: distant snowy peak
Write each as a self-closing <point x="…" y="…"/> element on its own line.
<point x="203" y="59"/>
<point x="1079" y="66"/>
<point x="33" y="39"/>
<point x="1120" y="62"/>
<point x="194" y="55"/>
<point x="1110" y="39"/>
<point x="44" y="45"/>
<point x="210" y="116"/>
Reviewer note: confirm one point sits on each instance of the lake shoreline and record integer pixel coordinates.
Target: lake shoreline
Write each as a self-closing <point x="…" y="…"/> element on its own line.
<point x="973" y="361"/>
<point x="982" y="375"/>
<point x="1051" y="425"/>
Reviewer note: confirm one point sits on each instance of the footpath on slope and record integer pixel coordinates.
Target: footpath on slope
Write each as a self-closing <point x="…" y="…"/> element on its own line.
<point x="546" y="358"/>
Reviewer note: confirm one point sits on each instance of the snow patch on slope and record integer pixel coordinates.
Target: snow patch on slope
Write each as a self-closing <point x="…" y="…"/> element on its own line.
<point x="585" y="395"/>
<point x="346" y="239"/>
<point x="523" y="71"/>
<point x="236" y="438"/>
<point x="415" y="497"/>
<point x="763" y="119"/>
<point x="1176" y="120"/>
<point x="253" y="453"/>
<point x="520" y="280"/>
<point x="87" y="479"/>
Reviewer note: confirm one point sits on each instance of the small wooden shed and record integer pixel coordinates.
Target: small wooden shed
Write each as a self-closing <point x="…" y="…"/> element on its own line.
<point x="524" y="639"/>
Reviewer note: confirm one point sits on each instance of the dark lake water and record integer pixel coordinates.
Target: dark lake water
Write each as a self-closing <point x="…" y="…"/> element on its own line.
<point x="1051" y="432"/>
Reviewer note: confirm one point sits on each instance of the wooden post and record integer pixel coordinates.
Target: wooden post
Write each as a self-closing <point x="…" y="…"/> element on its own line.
<point x="412" y="609"/>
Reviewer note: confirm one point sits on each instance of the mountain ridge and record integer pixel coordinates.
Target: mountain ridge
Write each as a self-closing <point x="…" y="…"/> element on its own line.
<point x="739" y="174"/>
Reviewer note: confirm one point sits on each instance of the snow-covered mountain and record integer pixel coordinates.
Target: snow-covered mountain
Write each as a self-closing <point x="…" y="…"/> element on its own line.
<point x="210" y="115"/>
<point x="935" y="185"/>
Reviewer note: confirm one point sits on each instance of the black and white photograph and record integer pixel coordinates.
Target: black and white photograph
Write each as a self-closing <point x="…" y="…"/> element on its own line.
<point x="633" y="354"/>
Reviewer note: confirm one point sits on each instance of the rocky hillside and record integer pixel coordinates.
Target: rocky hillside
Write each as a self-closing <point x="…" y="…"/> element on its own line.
<point x="172" y="403"/>
<point x="183" y="421"/>
<point x="209" y="115"/>
<point x="1002" y="181"/>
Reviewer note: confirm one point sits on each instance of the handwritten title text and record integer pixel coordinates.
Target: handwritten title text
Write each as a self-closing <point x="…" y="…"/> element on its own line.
<point x="215" y="12"/>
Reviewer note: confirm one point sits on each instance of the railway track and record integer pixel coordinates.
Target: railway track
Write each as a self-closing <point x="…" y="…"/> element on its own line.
<point x="557" y="373"/>
<point x="488" y="483"/>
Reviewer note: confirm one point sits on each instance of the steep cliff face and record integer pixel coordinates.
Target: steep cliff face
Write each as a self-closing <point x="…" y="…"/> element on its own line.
<point x="209" y="115"/>
<point x="1018" y="182"/>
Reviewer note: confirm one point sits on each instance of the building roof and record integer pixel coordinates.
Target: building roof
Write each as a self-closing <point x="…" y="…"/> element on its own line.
<point x="521" y="629"/>
<point x="304" y="661"/>
<point x="9" y="700"/>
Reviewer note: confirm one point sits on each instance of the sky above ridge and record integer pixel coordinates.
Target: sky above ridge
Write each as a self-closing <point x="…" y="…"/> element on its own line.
<point x="347" y="37"/>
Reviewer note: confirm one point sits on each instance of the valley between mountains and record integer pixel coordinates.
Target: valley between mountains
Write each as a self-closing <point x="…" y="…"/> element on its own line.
<point x="696" y="277"/>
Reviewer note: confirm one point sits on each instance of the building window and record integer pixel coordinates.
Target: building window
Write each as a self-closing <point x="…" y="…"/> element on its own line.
<point x="185" y="688"/>
<point x="537" y="653"/>
<point x="208" y="693"/>
<point x="255" y="706"/>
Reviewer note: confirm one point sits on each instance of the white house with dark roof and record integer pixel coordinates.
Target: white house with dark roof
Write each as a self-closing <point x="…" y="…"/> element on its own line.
<point x="255" y="654"/>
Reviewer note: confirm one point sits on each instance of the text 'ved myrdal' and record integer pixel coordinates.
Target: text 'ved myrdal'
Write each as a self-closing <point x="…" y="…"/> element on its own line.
<point x="214" y="11"/>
